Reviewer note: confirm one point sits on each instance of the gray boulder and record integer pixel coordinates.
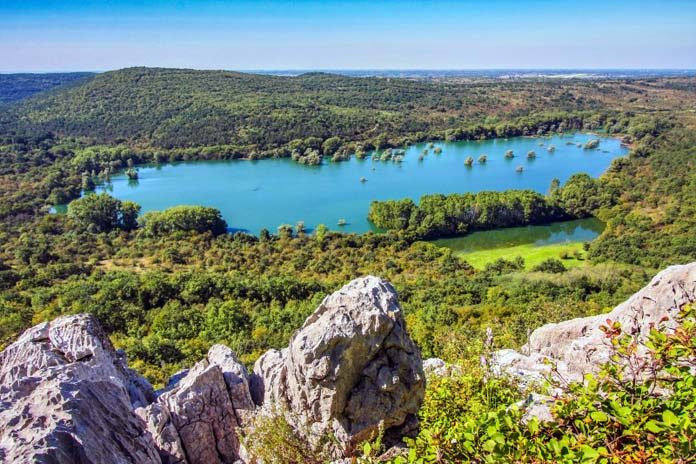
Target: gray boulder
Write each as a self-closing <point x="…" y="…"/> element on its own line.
<point x="67" y="397"/>
<point x="236" y="380"/>
<point x="349" y="371"/>
<point x="578" y="346"/>
<point x="197" y="419"/>
<point x="436" y="367"/>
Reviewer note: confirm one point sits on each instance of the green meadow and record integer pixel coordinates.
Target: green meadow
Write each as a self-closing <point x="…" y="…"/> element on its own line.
<point x="571" y="254"/>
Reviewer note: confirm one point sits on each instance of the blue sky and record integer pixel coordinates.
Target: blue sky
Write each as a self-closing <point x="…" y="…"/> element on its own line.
<point x="49" y="35"/>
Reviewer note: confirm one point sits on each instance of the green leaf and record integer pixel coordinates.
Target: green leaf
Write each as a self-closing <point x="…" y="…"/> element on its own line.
<point x="599" y="416"/>
<point x="555" y="446"/>
<point x="653" y="426"/>
<point x="533" y="426"/>
<point x="669" y="418"/>
<point x="619" y="410"/>
<point x="498" y="438"/>
<point x="489" y="446"/>
<point x="588" y="453"/>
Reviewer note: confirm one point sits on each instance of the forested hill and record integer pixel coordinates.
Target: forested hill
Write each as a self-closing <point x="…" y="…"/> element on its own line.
<point x="14" y="87"/>
<point x="170" y="108"/>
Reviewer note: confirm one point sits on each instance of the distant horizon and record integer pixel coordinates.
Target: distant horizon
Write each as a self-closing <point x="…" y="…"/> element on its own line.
<point x="252" y="35"/>
<point x="278" y="70"/>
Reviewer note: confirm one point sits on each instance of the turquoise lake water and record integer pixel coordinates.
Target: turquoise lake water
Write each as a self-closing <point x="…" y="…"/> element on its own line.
<point x="580" y="230"/>
<point x="267" y="193"/>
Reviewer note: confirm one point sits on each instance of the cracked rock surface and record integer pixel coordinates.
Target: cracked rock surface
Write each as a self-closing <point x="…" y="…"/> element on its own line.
<point x="67" y="397"/>
<point x="350" y="369"/>
<point x="578" y="346"/>
<point x="196" y="419"/>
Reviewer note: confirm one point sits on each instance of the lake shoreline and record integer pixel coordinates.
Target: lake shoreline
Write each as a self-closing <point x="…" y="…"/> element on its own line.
<point x="559" y="239"/>
<point x="271" y="192"/>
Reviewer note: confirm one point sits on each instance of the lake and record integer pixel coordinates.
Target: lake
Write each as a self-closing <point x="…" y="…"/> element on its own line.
<point x="579" y="230"/>
<point x="267" y="193"/>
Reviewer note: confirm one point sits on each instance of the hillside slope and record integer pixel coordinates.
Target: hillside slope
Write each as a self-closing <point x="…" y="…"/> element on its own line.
<point x="187" y="108"/>
<point x="14" y="87"/>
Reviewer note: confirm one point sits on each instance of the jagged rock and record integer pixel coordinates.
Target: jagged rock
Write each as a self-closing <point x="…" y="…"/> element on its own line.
<point x="200" y="410"/>
<point x="196" y="420"/>
<point x="236" y="378"/>
<point x="350" y="369"/>
<point x="67" y="397"/>
<point x="435" y="366"/>
<point x="173" y="381"/>
<point x="578" y="346"/>
<point x="268" y="378"/>
<point x="159" y="425"/>
<point x="537" y="406"/>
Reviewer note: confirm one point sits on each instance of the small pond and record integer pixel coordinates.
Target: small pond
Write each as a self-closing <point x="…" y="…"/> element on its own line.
<point x="580" y="230"/>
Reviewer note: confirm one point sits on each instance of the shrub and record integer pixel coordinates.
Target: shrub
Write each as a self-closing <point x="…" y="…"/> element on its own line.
<point x="550" y="265"/>
<point x="103" y="213"/>
<point x="639" y="408"/>
<point x="581" y="195"/>
<point x="270" y="439"/>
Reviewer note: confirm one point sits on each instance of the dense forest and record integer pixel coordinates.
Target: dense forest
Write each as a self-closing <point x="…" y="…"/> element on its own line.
<point x="14" y="87"/>
<point x="245" y="113"/>
<point x="438" y="216"/>
<point x="167" y="285"/>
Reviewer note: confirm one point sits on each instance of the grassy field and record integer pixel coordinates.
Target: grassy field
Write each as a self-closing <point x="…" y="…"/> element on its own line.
<point x="531" y="254"/>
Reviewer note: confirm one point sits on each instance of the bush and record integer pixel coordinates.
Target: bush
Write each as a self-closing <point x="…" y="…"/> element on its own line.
<point x="270" y="439"/>
<point x="581" y="195"/>
<point x="550" y="265"/>
<point x="639" y="408"/>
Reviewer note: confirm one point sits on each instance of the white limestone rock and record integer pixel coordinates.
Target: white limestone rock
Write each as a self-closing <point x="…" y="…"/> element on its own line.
<point x="350" y="369"/>
<point x="67" y="397"/>
<point x="578" y="347"/>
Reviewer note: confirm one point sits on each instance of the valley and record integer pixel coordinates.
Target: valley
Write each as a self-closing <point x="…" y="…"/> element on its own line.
<point x="229" y="205"/>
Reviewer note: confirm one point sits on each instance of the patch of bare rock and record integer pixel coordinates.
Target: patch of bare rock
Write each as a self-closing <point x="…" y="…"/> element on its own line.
<point x="66" y="396"/>
<point x="349" y="371"/>
<point x="578" y="346"/>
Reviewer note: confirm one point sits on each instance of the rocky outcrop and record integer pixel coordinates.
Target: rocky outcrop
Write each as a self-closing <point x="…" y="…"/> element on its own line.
<point x="349" y="371"/>
<point x="435" y="366"/>
<point x="196" y="420"/>
<point x="578" y="346"/>
<point x="67" y="397"/>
